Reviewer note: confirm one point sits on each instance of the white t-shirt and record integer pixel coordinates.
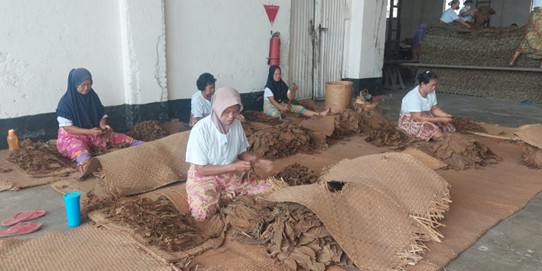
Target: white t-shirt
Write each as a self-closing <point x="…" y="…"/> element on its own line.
<point x="201" y="107"/>
<point x="414" y="102"/>
<point x="66" y="122"/>
<point x="207" y="146"/>
<point x="537" y="3"/>
<point x="268" y="93"/>
<point x="448" y="16"/>
<point x="468" y="18"/>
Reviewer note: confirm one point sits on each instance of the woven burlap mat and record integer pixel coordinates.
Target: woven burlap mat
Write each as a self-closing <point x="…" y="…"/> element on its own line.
<point x="19" y="179"/>
<point x="84" y="248"/>
<point x="379" y="190"/>
<point x="145" y="167"/>
<point x="5" y="185"/>
<point x="531" y="134"/>
<point x="425" y="158"/>
<point x="496" y="131"/>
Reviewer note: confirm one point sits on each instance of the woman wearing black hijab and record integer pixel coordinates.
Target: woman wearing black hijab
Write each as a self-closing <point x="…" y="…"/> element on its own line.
<point x="277" y="94"/>
<point x="83" y="122"/>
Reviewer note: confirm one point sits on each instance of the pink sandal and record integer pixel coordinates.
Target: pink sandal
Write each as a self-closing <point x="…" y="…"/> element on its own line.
<point x="21" y="228"/>
<point x="23" y="216"/>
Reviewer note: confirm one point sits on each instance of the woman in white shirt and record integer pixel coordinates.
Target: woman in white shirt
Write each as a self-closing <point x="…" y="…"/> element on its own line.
<point x="217" y="151"/>
<point x="449" y="16"/>
<point x="532" y="41"/>
<point x="201" y="100"/>
<point x="467" y="12"/>
<point x="420" y="115"/>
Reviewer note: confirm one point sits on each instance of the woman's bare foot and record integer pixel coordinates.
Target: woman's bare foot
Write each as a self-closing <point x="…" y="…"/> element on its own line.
<point x="326" y="112"/>
<point x="84" y="165"/>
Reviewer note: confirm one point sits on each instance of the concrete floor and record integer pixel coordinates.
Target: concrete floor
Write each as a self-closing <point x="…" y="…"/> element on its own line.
<point x="513" y="244"/>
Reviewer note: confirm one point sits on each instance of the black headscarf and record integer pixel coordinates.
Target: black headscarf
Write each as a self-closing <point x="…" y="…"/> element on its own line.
<point x="84" y="111"/>
<point x="279" y="89"/>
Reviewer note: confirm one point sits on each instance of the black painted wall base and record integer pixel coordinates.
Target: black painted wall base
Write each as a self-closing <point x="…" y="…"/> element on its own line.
<point x="123" y="117"/>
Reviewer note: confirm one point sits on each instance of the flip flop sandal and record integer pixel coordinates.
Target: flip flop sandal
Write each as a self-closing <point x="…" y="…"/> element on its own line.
<point x="23" y="216"/>
<point x="21" y="228"/>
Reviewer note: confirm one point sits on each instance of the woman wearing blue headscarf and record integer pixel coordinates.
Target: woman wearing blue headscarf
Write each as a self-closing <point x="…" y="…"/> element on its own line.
<point x="83" y="122"/>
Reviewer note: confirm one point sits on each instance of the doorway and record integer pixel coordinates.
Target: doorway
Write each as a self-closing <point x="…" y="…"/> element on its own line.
<point x="317" y="38"/>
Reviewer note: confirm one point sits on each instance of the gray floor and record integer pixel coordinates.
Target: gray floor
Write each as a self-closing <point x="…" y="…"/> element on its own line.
<point x="513" y="244"/>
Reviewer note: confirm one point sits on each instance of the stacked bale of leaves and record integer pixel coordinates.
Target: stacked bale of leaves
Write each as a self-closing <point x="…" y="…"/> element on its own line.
<point x="280" y="141"/>
<point x="297" y="174"/>
<point x="38" y="158"/>
<point x="449" y="45"/>
<point x="148" y="130"/>
<point x="159" y="222"/>
<point x="491" y="47"/>
<point x="291" y="233"/>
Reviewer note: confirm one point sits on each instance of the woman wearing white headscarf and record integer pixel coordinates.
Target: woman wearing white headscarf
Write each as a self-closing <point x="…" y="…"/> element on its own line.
<point x="218" y="153"/>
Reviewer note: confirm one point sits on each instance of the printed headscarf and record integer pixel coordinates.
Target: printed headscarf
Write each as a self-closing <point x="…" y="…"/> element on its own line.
<point x="279" y="88"/>
<point x="84" y="111"/>
<point x="224" y="98"/>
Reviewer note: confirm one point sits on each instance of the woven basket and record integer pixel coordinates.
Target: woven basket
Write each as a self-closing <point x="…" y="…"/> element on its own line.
<point x="338" y="95"/>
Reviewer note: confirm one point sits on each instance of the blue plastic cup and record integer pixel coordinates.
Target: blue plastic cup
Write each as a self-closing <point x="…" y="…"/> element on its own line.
<point x="73" y="211"/>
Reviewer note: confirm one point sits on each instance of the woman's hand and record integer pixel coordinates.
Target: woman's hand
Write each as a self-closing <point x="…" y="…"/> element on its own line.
<point x="242" y="166"/>
<point x="95" y="132"/>
<point x="263" y="164"/>
<point x="105" y="127"/>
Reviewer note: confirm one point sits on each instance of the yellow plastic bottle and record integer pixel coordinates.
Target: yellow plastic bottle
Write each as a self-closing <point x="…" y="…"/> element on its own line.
<point x="13" y="141"/>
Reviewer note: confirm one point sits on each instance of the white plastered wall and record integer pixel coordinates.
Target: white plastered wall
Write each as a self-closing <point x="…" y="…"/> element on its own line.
<point x="229" y="39"/>
<point x="121" y="42"/>
<point x="125" y="45"/>
<point x="365" y="39"/>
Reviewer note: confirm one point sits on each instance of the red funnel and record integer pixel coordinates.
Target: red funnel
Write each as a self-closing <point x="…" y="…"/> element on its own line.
<point x="271" y="11"/>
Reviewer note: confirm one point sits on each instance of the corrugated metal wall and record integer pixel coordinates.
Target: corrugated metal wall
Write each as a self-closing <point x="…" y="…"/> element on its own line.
<point x="330" y="62"/>
<point x="318" y="23"/>
<point x="301" y="51"/>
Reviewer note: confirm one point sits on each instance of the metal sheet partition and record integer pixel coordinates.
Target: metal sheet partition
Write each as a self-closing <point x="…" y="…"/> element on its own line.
<point x="316" y="45"/>
<point x="301" y="47"/>
<point x="331" y="30"/>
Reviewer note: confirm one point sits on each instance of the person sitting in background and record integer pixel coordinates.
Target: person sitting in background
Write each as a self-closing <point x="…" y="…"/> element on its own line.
<point x="83" y="122"/>
<point x="201" y="100"/>
<point x="277" y="97"/>
<point x="532" y="40"/>
<point x="420" y="115"/>
<point x="449" y="16"/>
<point x="217" y="151"/>
<point x="467" y="12"/>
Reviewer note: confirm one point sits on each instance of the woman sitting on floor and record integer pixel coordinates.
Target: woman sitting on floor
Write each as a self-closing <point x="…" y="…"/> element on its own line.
<point x="420" y="115"/>
<point x="220" y="163"/>
<point x="201" y="100"/>
<point x="83" y="122"/>
<point x="277" y="94"/>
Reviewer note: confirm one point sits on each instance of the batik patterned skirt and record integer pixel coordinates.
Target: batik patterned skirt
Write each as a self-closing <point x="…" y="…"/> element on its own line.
<point x="205" y="192"/>
<point x="423" y="130"/>
<point x="79" y="147"/>
<point x="271" y="110"/>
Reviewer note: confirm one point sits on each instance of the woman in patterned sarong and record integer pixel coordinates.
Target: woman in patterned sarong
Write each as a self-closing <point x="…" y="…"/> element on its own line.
<point x="420" y="116"/>
<point x="82" y="121"/>
<point x="220" y="165"/>
<point x="532" y="41"/>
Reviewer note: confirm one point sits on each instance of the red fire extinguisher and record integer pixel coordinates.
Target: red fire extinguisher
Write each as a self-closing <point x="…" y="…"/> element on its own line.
<point x="274" y="49"/>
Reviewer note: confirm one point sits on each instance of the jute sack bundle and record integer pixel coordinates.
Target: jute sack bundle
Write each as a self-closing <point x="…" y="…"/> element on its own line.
<point x="143" y="168"/>
<point x="371" y="212"/>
